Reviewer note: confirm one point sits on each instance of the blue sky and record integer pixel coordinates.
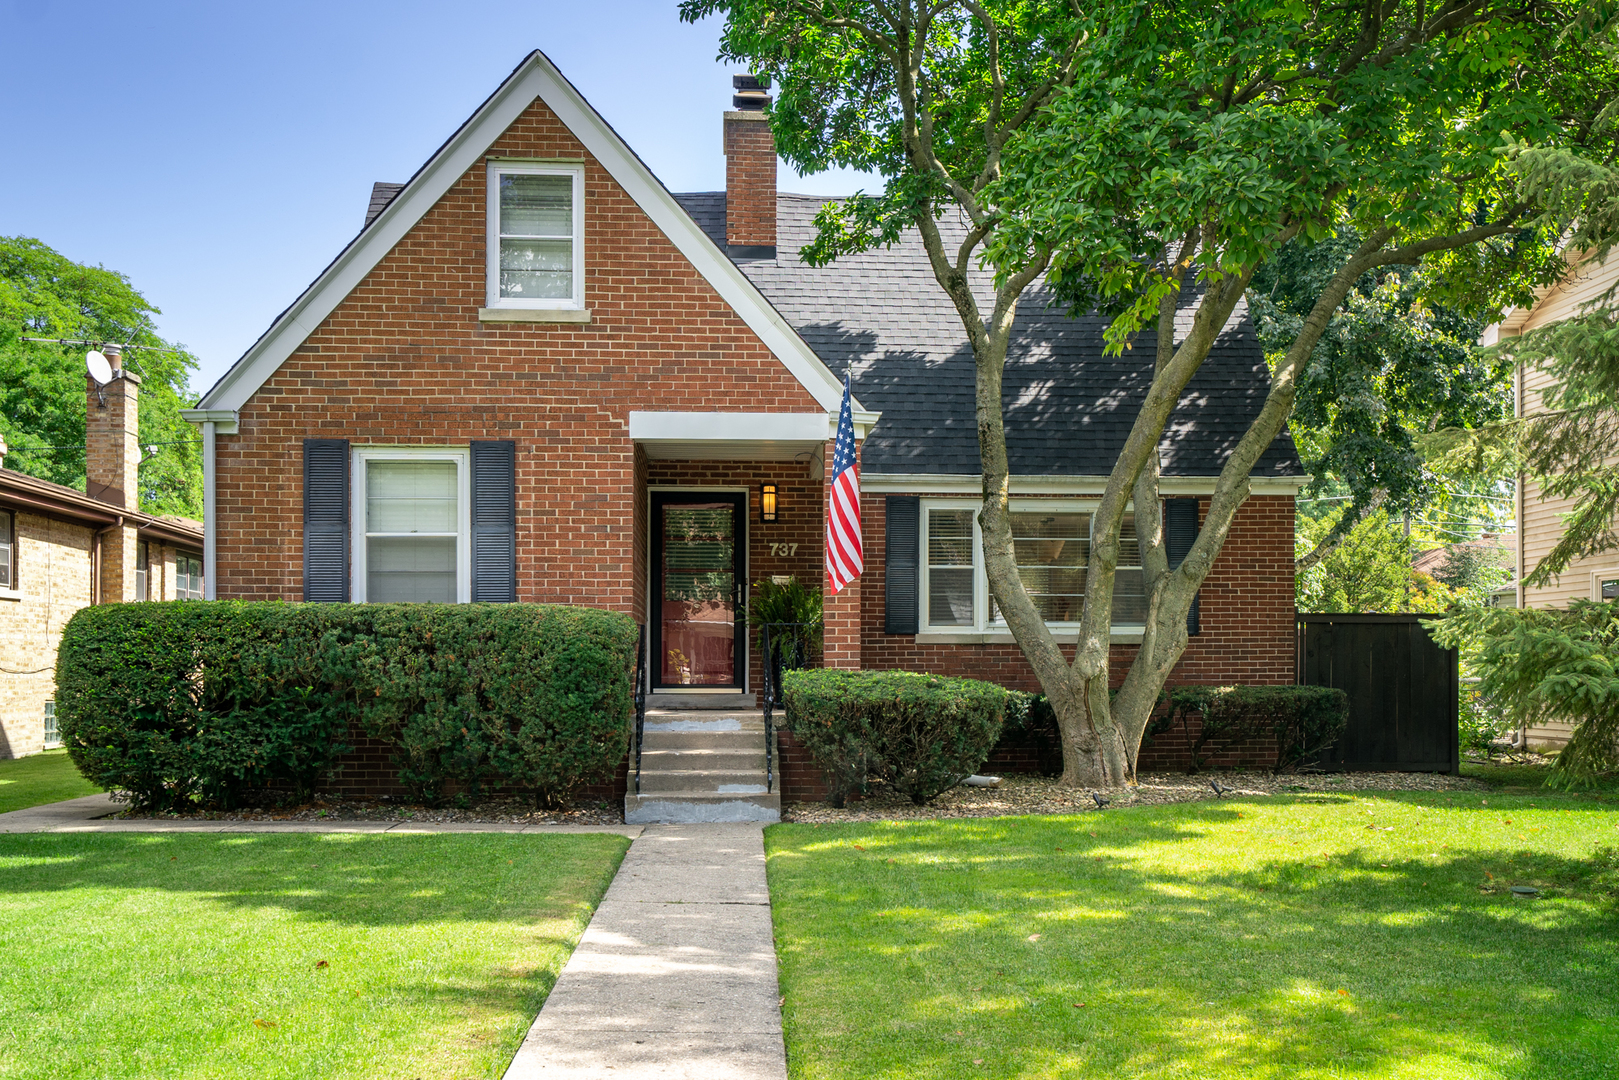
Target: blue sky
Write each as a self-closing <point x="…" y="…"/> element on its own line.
<point x="220" y="155"/>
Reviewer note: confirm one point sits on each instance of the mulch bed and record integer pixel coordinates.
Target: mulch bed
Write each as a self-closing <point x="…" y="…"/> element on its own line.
<point x="501" y="809"/>
<point x="1017" y="794"/>
<point x="1039" y="795"/>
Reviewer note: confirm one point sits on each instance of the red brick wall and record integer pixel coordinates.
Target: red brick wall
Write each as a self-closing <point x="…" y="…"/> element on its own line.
<point x="404" y="360"/>
<point x="750" y="180"/>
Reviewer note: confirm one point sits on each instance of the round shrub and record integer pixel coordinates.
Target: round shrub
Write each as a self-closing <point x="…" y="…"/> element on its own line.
<point x="922" y="734"/>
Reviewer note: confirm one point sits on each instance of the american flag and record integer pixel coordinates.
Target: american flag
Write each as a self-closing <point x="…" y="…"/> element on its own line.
<point x="843" y="554"/>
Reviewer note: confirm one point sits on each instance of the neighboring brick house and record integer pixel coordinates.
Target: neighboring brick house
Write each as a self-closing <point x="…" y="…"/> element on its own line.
<point x="62" y="550"/>
<point x="537" y="375"/>
<point x="1540" y="519"/>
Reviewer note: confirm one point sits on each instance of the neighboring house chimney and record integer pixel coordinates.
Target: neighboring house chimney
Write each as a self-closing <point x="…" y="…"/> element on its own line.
<point x="750" y="167"/>
<point x="111" y="454"/>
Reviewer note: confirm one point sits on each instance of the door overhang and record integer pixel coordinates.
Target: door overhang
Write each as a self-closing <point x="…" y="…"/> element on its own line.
<point x="739" y="436"/>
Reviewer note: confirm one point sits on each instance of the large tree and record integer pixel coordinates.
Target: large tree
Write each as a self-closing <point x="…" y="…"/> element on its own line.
<point x="1143" y="157"/>
<point x="44" y="294"/>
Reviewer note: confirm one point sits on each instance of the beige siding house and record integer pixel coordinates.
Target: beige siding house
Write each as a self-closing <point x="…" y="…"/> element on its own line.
<point x="1540" y="519"/>
<point x="62" y="550"/>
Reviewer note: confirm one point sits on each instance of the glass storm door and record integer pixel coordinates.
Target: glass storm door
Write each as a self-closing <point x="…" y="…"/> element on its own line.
<point x="697" y="584"/>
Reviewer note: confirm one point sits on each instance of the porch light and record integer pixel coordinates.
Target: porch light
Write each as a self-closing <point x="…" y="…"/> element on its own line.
<point x="767" y="502"/>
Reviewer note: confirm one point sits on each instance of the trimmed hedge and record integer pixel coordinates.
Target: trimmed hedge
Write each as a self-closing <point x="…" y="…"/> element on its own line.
<point x="922" y="734"/>
<point x="190" y="703"/>
<point x="1304" y="720"/>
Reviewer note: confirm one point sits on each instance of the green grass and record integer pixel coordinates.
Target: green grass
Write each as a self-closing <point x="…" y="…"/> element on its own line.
<point x="1528" y="779"/>
<point x="1312" y="936"/>
<point x="41" y="778"/>
<point x="188" y="955"/>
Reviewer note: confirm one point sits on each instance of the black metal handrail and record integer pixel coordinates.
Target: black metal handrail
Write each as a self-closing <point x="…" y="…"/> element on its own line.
<point x="783" y="646"/>
<point x="640" y="703"/>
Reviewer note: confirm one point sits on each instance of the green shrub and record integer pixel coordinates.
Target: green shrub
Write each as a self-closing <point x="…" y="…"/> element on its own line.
<point x="1541" y="665"/>
<point x="920" y="733"/>
<point x="1304" y="720"/>
<point x="202" y="702"/>
<point x="181" y="703"/>
<point x="523" y="695"/>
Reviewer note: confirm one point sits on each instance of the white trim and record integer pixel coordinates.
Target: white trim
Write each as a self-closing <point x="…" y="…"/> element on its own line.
<point x="535" y="78"/>
<point x="367" y="452"/>
<point x="737" y="436"/>
<point x="1597" y="577"/>
<point x="973" y="484"/>
<point x="496" y="302"/>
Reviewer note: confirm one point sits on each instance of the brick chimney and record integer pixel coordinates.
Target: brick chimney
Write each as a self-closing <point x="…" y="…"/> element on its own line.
<point x="750" y="167"/>
<point x="111" y="454"/>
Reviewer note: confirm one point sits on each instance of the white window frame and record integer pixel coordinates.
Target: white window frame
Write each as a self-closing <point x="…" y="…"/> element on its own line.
<point x="461" y="455"/>
<point x="1598" y="577"/>
<point x="982" y="624"/>
<point x="492" y="270"/>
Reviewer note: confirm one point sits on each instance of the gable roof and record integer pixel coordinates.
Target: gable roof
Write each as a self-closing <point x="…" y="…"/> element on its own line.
<point x="1068" y="406"/>
<point x="535" y="78"/>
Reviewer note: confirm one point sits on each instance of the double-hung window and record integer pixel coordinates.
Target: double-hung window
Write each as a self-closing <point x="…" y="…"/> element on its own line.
<point x="188" y="576"/>
<point x="536" y="235"/>
<point x="143" y="571"/>
<point x="412" y="523"/>
<point x="1051" y="541"/>
<point x="8" y="551"/>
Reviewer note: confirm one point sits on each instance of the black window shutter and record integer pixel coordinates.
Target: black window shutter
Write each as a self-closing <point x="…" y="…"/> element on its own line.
<point x="494" y="522"/>
<point x="326" y="520"/>
<point x="902" y="553"/>
<point x="1180" y="533"/>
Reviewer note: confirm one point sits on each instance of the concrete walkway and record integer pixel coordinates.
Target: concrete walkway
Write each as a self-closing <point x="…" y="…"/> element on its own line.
<point x="675" y="976"/>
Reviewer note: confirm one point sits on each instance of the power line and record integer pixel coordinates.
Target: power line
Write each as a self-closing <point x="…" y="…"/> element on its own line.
<point x="80" y="446"/>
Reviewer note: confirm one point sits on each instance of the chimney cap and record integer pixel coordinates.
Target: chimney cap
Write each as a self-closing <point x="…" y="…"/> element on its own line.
<point x="750" y="93"/>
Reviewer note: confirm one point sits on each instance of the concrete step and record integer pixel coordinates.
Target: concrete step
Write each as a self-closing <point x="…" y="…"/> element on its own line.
<point x="716" y="781"/>
<point x="699" y="718"/>
<point x="679" y="807"/>
<point x="747" y="757"/>
<point x="656" y="700"/>
<point x="698" y="740"/>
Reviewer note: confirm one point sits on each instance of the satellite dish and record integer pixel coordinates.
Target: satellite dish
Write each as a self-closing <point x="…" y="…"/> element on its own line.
<point x="99" y="369"/>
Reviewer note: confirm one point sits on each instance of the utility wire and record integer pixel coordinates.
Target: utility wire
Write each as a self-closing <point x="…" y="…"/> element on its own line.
<point x="103" y="344"/>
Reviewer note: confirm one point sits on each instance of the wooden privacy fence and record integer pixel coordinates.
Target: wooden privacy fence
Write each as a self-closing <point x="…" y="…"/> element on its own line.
<point x="1402" y="688"/>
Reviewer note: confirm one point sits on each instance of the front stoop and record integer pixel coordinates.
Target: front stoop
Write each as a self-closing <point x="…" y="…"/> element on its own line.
<point x="703" y="765"/>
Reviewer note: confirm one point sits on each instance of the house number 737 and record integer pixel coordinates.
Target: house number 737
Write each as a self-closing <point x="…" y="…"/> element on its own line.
<point x="784" y="549"/>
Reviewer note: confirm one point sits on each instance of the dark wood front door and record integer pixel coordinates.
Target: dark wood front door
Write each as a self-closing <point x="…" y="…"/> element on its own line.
<point x="698" y="585"/>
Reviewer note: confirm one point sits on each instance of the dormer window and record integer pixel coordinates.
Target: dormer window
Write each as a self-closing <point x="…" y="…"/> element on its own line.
<point x="536" y="235"/>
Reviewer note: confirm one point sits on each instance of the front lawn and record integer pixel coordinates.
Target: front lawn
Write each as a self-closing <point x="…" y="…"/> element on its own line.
<point x="39" y="779"/>
<point x="285" y="955"/>
<point x="1342" y="936"/>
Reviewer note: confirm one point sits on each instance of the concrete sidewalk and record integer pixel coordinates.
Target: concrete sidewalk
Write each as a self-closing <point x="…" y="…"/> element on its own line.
<point x="676" y="975"/>
<point x="90" y="814"/>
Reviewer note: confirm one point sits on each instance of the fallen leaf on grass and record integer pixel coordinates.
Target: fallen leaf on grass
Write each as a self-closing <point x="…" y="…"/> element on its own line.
<point x="263" y="1023"/>
<point x="857" y="847"/>
<point x="321" y="964"/>
<point x="978" y="1061"/>
<point x="1079" y="1004"/>
<point x="1034" y="937"/>
<point x="1344" y="993"/>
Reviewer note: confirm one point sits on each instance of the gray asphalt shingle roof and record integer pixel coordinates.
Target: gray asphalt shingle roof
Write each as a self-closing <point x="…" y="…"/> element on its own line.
<point x="1068" y="407"/>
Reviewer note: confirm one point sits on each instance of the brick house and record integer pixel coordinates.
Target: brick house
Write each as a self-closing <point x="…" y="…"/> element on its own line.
<point x="62" y="550"/>
<point x="538" y="375"/>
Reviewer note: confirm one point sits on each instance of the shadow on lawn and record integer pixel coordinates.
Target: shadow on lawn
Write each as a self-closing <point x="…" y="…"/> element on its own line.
<point x="1193" y="946"/>
<point x="344" y="878"/>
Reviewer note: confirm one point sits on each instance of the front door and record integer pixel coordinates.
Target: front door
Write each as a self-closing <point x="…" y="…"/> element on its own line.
<point x="698" y="582"/>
